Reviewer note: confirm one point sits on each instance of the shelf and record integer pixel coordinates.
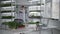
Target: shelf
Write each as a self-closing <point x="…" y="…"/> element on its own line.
<point x="49" y="18"/>
<point x="28" y="4"/>
<point x="7" y="20"/>
<point x="36" y="2"/>
<point x="6" y="11"/>
<point x="35" y="17"/>
<point x="7" y="17"/>
<point x="40" y="4"/>
<point x="36" y="11"/>
<point x="5" y="5"/>
<point x="8" y="1"/>
<point x="32" y="23"/>
<point x="54" y="19"/>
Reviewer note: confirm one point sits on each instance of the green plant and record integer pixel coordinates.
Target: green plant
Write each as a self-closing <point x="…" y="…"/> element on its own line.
<point x="5" y="23"/>
<point x="37" y="22"/>
<point x="5" y="5"/>
<point x="7" y="17"/>
<point x="40" y="4"/>
<point x="32" y="22"/>
<point x="12" y="25"/>
<point x="35" y="16"/>
<point x="35" y="10"/>
<point x="6" y="11"/>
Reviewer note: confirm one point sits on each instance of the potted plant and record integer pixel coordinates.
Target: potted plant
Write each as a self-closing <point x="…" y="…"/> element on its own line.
<point x="37" y="23"/>
<point x="20" y="22"/>
<point x="21" y="25"/>
<point x="12" y="25"/>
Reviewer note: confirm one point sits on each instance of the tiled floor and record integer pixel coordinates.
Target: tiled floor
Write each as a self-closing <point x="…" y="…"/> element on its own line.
<point x="34" y="32"/>
<point x="28" y="30"/>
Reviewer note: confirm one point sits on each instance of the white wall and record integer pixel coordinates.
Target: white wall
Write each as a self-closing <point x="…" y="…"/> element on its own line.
<point x="55" y="9"/>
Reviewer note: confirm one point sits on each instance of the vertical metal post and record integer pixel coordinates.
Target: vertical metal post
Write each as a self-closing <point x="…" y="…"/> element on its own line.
<point x="40" y="10"/>
<point x="59" y="10"/>
<point x="23" y="13"/>
<point x="27" y="15"/>
<point x="0" y="15"/>
<point x="40" y="17"/>
<point x="51" y="8"/>
<point x="52" y="31"/>
<point x="15" y="8"/>
<point x="11" y="9"/>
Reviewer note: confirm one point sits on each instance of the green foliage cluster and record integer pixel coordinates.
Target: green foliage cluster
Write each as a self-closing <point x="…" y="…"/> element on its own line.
<point x="35" y="16"/>
<point x="7" y="17"/>
<point x="5" y="5"/>
<point x="34" y="22"/>
<point x="6" y="11"/>
<point x="12" y="25"/>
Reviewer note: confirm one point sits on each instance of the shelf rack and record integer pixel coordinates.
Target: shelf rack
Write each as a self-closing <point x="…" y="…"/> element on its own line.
<point x="37" y="4"/>
<point x="6" y="17"/>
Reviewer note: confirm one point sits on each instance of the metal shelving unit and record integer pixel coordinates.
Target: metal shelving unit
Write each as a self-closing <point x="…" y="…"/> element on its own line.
<point x="38" y="17"/>
<point x="7" y="13"/>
